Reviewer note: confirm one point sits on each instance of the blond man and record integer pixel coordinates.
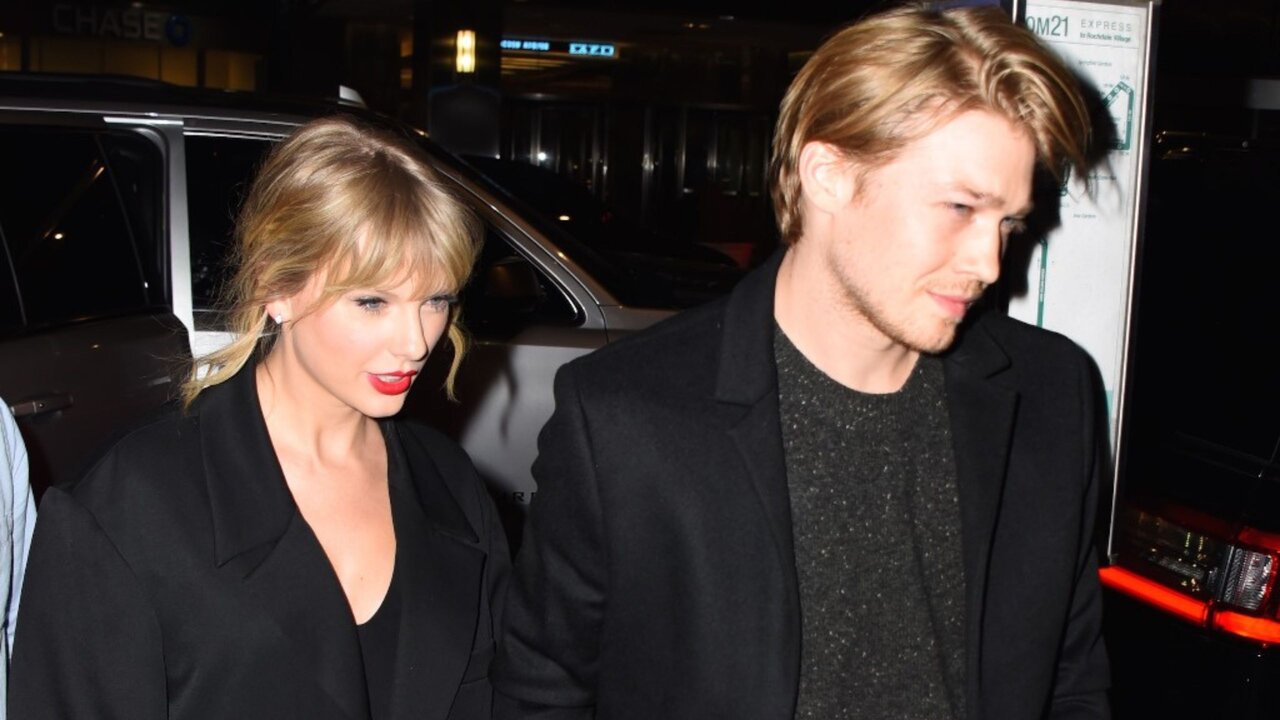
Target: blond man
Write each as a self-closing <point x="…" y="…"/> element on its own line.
<point x="843" y="491"/>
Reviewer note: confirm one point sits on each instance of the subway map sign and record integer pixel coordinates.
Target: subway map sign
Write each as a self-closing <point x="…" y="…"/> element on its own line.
<point x="1081" y="273"/>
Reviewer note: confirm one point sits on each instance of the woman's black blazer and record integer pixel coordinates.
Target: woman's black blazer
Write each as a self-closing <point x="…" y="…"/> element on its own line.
<point x="178" y="580"/>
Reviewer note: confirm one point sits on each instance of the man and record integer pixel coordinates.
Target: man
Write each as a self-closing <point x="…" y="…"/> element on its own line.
<point x="838" y="493"/>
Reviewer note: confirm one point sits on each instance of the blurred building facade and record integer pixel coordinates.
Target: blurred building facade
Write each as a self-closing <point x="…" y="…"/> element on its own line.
<point x="666" y="116"/>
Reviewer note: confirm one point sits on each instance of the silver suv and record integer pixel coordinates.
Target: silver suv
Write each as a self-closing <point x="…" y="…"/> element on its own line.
<point x="116" y="208"/>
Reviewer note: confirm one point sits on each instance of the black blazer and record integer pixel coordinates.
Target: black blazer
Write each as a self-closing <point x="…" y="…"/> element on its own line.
<point x="178" y="580"/>
<point x="657" y="576"/>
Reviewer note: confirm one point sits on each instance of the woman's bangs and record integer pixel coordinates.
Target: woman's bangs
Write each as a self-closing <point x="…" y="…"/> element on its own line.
<point x="387" y="257"/>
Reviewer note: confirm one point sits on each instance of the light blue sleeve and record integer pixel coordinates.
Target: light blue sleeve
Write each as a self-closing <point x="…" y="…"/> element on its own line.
<point x="19" y="520"/>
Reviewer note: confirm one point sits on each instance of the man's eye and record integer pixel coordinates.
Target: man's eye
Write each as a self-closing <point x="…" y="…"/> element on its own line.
<point x="1014" y="226"/>
<point x="370" y="303"/>
<point x="960" y="209"/>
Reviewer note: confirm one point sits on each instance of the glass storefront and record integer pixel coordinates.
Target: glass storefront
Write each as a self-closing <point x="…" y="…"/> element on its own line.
<point x="134" y="39"/>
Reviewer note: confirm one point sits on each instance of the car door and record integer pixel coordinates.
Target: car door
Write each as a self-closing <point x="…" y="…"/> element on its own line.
<point x="524" y="321"/>
<point x="88" y="345"/>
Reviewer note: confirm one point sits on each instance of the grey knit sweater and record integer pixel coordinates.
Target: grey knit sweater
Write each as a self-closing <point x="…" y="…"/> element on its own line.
<point x="876" y="523"/>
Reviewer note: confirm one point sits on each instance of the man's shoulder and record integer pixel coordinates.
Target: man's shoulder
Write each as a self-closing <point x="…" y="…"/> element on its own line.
<point x="1039" y="361"/>
<point x="680" y="346"/>
<point x="1026" y="342"/>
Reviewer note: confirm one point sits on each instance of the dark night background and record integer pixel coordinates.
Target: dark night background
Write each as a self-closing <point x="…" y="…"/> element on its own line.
<point x="673" y="135"/>
<point x="673" y="132"/>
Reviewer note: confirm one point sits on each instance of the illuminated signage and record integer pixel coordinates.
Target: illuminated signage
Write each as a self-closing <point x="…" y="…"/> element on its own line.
<point x="576" y="48"/>
<point x="592" y="49"/>
<point x="526" y="45"/>
<point x="127" y="24"/>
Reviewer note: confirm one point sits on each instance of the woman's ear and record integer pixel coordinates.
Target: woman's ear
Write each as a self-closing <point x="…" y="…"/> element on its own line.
<point x="280" y="310"/>
<point x="283" y="308"/>
<point x="826" y="177"/>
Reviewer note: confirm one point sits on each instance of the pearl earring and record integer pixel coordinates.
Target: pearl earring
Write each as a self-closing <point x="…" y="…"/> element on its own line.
<point x="279" y="318"/>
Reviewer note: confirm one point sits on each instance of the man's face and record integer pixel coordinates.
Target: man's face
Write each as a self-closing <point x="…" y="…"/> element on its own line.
<point x="923" y="236"/>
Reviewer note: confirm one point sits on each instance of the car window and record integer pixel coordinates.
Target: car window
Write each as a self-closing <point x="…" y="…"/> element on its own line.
<point x="507" y="292"/>
<point x="219" y="170"/>
<point x="81" y="222"/>
<point x="136" y="167"/>
<point x="10" y="301"/>
<point x="638" y="266"/>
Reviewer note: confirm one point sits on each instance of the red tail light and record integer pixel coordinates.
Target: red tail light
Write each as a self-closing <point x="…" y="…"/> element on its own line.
<point x="1247" y="626"/>
<point x="1193" y="567"/>
<point x="1153" y="593"/>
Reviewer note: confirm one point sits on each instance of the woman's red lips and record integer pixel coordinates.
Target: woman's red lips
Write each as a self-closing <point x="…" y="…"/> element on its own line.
<point x="392" y="383"/>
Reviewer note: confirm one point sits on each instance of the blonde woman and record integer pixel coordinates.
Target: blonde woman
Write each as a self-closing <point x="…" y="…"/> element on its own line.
<point x="280" y="547"/>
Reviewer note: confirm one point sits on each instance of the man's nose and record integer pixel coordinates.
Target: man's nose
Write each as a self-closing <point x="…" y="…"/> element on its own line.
<point x="980" y="256"/>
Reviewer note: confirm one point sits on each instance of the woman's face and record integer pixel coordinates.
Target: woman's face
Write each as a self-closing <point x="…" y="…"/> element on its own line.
<point x="362" y="350"/>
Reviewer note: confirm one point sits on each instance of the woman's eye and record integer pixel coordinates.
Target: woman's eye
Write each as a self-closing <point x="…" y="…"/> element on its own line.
<point x="441" y="303"/>
<point x="960" y="208"/>
<point x="370" y="303"/>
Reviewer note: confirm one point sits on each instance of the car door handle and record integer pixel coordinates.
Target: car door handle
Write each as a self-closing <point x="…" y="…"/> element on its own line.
<point x="41" y="405"/>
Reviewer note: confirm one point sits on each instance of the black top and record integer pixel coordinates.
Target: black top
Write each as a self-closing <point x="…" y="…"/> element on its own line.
<point x="379" y="634"/>
<point x="378" y="647"/>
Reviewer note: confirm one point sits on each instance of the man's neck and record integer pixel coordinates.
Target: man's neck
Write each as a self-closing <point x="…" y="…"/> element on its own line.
<point x="819" y="320"/>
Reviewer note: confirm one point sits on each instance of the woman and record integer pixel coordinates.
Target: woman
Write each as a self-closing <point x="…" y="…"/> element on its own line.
<point x="281" y="548"/>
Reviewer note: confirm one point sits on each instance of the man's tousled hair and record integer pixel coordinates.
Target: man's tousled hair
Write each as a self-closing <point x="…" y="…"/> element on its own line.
<point x="887" y="80"/>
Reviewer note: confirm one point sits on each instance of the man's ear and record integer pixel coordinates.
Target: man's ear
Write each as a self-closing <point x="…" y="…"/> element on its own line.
<point x="826" y="177"/>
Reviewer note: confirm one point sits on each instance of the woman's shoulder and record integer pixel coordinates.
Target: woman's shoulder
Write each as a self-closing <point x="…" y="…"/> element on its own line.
<point x="432" y="455"/>
<point x="442" y="449"/>
<point x="145" y="465"/>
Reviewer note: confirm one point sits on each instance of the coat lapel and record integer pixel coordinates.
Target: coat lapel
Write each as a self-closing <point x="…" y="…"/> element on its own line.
<point x="747" y="385"/>
<point x="295" y="585"/>
<point x="747" y="380"/>
<point x="439" y="557"/>
<point x="261" y="539"/>
<point x="982" y="414"/>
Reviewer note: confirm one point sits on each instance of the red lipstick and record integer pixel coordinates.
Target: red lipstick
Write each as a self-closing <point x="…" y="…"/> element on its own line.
<point x="393" y="383"/>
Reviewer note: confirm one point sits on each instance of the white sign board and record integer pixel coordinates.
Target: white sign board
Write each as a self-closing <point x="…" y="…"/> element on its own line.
<point x="1081" y="273"/>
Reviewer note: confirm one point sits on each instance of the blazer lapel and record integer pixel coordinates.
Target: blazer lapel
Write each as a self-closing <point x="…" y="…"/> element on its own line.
<point x="440" y="560"/>
<point x="982" y="415"/>
<point x="747" y="379"/>
<point x="262" y="540"/>
<point x="747" y="385"/>
<point x="295" y="585"/>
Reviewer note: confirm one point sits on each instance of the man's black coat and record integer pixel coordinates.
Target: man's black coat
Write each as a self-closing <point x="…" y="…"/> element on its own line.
<point x="657" y="577"/>
<point x="178" y="580"/>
